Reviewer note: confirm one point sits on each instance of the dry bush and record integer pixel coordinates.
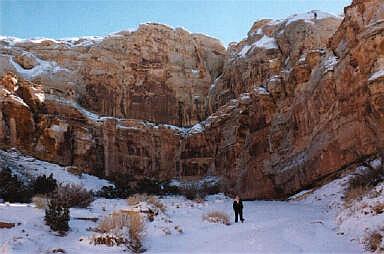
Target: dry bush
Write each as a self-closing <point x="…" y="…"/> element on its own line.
<point x="74" y="170"/>
<point x="378" y="208"/>
<point x="373" y="241"/>
<point x="355" y="193"/>
<point x="116" y="221"/>
<point x="136" y="198"/>
<point x="122" y="227"/>
<point x="40" y="202"/>
<point x="73" y="195"/>
<point x="199" y="200"/>
<point x="153" y="200"/>
<point x="136" y="233"/>
<point x="108" y="239"/>
<point x="217" y="217"/>
<point x="194" y="190"/>
<point x="363" y="183"/>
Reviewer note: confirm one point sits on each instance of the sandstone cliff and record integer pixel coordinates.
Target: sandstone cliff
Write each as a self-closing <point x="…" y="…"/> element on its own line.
<point x="155" y="73"/>
<point x="296" y="101"/>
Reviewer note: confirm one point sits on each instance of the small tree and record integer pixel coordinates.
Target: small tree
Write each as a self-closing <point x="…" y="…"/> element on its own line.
<point x="44" y="185"/>
<point x="12" y="189"/>
<point x="57" y="216"/>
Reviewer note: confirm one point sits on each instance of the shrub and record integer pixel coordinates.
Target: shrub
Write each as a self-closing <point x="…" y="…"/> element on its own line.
<point x="72" y="195"/>
<point x="122" y="186"/>
<point x="195" y="190"/>
<point x="12" y="189"/>
<point x="121" y="227"/>
<point x="153" y="200"/>
<point x="191" y="191"/>
<point x="217" y="217"/>
<point x="114" y="222"/>
<point x="136" y="198"/>
<point x="40" y="202"/>
<point x="108" y="239"/>
<point x="168" y="189"/>
<point x="362" y="183"/>
<point x="44" y="185"/>
<point x="149" y="186"/>
<point x="378" y="208"/>
<point x="373" y="241"/>
<point x="136" y="231"/>
<point x="57" y="216"/>
<point x="112" y="192"/>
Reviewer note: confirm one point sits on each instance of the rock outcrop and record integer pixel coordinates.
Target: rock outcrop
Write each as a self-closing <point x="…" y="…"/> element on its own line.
<point x="156" y="73"/>
<point x="291" y="104"/>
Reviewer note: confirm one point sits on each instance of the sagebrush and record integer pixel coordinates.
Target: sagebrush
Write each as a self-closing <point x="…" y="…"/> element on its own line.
<point x="360" y="184"/>
<point x="40" y="201"/>
<point x="121" y="227"/>
<point x="373" y="241"/>
<point x="217" y="217"/>
<point x="72" y="195"/>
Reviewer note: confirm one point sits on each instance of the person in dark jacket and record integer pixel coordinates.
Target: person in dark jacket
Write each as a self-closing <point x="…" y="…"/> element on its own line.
<point x="238" y="208"/>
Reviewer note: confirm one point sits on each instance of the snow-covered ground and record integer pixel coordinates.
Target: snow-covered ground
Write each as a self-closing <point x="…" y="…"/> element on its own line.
<point x="270" y="227"/>
<point x="313" y="221"/>
<point x="29" y="167"/>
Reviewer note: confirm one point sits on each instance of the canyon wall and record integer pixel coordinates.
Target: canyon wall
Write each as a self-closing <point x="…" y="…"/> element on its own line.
<point x="156" y="72"/>
<point x="295" y="101"/>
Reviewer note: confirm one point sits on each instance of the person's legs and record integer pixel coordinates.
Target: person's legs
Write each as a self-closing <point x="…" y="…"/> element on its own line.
<point x="236" y="216"/>
<point x="241" y="215"/>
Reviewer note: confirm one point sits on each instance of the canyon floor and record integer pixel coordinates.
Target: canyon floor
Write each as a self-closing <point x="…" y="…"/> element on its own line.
<point x="270" y="227"/>
<point x="313" y="221"/>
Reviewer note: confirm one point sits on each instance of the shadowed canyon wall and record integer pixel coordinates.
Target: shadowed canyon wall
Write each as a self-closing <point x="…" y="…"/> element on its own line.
<point x="295" y="101"/>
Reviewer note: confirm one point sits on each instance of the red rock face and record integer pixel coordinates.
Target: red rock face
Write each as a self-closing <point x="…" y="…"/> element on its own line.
<point x="295" y="102"/>
<point x="156" y="73"/>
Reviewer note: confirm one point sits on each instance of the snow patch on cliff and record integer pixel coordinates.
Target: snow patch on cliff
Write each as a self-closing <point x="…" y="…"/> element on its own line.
<point x="261" y="90"/>
<point x="309" y="16"/>
<point x="377" y="75"/>
<point x="11" y="40"/>
<point x="244" y="50"/>
<point x="83" y="41"/>
<point x="42" y="67"/>
<point x="197" y="128"/>
<point x="18" y="99"/>
<point x="330" y="63"/>
<point x="91" y="116"/>
<point x="266" y="42"/>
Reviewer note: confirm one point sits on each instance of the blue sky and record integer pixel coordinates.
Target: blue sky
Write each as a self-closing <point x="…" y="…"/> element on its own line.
<point x="227" y="20"/>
